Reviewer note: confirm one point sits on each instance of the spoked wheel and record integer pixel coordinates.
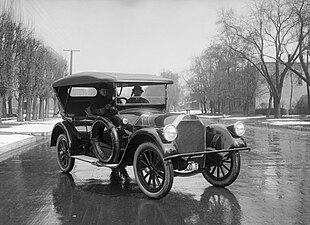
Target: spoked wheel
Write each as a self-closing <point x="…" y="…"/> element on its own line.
<point x="222" y="169"/>
<point x="65" y="161"/>
<point x="154" y="175"/>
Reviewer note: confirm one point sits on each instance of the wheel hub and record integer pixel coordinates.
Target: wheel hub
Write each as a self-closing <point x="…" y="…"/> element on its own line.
<point x="147" y="170"/>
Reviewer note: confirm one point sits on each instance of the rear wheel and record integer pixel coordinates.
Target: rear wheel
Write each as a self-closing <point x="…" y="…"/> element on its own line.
<point x="154" y="175"/>
<point x="222" y="169"/>
<point x="65" y="161"/>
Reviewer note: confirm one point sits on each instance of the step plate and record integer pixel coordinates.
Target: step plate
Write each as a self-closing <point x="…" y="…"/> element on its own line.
<point x="94" y="161"/>
<point x="86" y="158"/>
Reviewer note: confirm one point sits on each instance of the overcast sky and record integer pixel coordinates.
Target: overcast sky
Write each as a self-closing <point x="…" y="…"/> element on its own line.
<point x="134" y="36"/>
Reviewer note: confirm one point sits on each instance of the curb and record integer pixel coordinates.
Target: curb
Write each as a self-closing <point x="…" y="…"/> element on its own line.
<point x="37" y="134"/>
<point x="12" y="149"/>
<point x="17" y="144"/>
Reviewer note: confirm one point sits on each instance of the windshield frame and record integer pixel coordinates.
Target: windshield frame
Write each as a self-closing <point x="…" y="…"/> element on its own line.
<point x="146" y="105"/>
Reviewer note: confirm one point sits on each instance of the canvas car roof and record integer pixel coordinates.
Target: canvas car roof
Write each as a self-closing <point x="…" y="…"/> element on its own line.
<point x="103" y="77"/>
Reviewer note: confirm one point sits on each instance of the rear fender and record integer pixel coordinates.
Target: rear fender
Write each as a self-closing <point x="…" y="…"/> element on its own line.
<point x="221" y="138"/>
<point x="66" y="128"/>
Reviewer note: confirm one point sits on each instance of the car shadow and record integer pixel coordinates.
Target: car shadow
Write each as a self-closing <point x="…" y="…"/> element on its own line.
<point x="122" y="202"/>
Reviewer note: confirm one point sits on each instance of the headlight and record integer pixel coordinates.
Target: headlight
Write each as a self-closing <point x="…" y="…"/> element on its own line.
<point x="239" y="128"/>
<point x="125" y="121"/>
<point x="170" y="132"/>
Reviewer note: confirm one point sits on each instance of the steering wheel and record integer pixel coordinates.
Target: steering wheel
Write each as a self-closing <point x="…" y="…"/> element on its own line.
<point x="121" y="98"/>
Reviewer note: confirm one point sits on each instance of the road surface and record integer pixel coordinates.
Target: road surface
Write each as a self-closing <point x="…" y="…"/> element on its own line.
<point x="273" y="188"/>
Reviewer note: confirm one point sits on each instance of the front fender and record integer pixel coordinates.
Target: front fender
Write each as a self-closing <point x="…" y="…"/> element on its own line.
<point x="226" y="139"/>
<point x="147" y="135"/>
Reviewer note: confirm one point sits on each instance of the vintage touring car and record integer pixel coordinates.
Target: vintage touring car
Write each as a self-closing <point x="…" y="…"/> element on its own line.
<point x="158" y="144"/>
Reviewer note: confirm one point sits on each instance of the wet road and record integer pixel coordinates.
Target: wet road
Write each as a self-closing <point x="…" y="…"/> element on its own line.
<point x="273" y="188"/>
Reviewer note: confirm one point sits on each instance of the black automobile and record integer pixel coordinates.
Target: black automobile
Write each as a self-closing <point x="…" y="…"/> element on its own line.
<point x="158" y="144"/>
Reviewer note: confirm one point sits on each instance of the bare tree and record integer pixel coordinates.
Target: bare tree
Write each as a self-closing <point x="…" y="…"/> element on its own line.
<point x="9" y="36"/>
<point x="301" y="16"/>
<point x="61" y="70"/>
<point x="200" y="83"/>
<point x="223" y="79"/>
<point x="264" y="34"/>
<point x="27" y="68"/>
<point x="174" y="91"/>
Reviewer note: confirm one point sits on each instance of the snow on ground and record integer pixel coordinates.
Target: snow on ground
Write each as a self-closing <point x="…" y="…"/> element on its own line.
<point x="8" y="138"/>
<point x="288" y="122"/>
<point x="40" y="126"/>
<point x="26" y="130"/>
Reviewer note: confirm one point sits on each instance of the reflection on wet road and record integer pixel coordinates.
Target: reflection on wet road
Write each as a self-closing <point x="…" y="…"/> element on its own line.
<point x="276" y="174"/>
<point x="99" y="201"/>
<point x="273" y="188"/>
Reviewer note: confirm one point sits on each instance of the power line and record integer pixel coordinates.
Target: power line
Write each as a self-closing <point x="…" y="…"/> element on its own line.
<point x="71" y="56"/>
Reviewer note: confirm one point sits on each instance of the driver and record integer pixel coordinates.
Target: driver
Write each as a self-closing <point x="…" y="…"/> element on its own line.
<point x="101" y="104"/>
<point x="136" y="96"/>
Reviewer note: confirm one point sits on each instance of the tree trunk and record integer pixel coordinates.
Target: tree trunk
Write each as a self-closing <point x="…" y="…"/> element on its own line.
<point x="246" y="108"/>
<point x="4" y="114"/>
<point x="35" y="108"/>
<point x="269" y="105"/>
<point x="202" y="105"/>
<point x="1" y="99"/>
<point x="212" y="107"/>
<point x="291" y="95"/>
<point x="276" y="104"/>
<point x="10" y="106"/>
<point x="20" y="108"/>
<point x="308" y="94"/>
<point x="28" y="109"/>
<point x="41" y="108"/>
<point x="47" y="108"/>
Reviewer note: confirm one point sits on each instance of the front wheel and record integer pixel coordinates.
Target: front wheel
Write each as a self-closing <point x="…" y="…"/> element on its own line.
<point x="65" y="161"/>
<point x="154" y="175"/>
<point x="222" y="169"/>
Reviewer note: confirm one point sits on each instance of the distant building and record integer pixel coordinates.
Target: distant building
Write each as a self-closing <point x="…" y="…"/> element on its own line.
<point x="293" y="89"/>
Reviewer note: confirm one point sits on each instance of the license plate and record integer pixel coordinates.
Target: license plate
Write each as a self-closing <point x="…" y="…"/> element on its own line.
<point x="192" y="166"/>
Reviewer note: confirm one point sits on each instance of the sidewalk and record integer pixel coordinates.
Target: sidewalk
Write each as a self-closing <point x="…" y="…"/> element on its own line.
<point x="14" y="135"/>
<point x="295" y="122"/>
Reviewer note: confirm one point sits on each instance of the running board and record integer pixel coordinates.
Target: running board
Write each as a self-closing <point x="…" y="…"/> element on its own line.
<point x="94" y="161"/>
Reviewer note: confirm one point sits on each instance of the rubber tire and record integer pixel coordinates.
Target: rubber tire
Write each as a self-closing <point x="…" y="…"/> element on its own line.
<point x="230" y="177"/>
<point x="65" y="162"/>
<point x="167" y="167"/>
<point x="115" y="150"/>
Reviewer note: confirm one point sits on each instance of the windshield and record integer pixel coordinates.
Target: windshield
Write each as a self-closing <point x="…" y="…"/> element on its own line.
<point x="145" y="94"/>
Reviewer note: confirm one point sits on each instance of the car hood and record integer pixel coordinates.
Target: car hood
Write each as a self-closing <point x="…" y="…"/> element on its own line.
<point x="149" y="118"/>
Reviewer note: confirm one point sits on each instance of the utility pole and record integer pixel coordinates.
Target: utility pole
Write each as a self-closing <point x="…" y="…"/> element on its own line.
<point x="71" y="56"/>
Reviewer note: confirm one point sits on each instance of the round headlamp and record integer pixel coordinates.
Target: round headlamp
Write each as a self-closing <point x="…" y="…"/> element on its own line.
<point x="125" y="121"/>
<point x="170" y="132"/>
<point x="239" y="128"/>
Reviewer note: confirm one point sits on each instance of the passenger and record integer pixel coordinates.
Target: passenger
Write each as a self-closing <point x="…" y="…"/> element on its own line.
<point x="101" y="104"/>
<point x="136" y="96"/>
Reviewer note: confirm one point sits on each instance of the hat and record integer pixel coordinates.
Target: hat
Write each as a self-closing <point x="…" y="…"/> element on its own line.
<point x="137" y="88"/>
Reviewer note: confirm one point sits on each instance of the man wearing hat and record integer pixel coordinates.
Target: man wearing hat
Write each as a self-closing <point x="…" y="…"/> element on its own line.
<point x="101" y="104"/>
<point x="136" y="96"/>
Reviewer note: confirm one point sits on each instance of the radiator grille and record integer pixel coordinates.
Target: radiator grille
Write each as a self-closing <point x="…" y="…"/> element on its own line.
<point x="191" y="136"/>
